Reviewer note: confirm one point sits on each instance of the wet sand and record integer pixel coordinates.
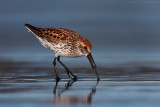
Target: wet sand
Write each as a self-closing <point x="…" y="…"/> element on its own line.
<point x="25" y="84"/>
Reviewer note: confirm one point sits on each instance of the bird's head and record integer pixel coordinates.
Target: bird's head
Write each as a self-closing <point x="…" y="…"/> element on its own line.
<point x="85" y="48"/>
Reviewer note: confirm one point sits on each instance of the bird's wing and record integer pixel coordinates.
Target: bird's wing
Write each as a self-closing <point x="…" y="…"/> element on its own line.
<point x="53" y="34"/>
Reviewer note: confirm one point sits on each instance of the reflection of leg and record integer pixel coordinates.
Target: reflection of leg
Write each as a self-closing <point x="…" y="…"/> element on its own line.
<point x="67" y="85"/>
<point x="70" y="83"/>
<point x="67" y="70"/>
<point x="54" y="63"/>
<point x="55" y="88"/>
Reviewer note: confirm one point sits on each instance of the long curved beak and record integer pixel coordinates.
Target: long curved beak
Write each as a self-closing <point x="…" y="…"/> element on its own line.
<point x="90" y="58"/>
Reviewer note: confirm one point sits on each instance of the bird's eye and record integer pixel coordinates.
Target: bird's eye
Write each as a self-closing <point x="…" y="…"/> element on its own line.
<point x="85" y="47"/>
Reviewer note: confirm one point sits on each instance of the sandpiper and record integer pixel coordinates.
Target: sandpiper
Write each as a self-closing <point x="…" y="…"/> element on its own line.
<point x="64" y="42"/>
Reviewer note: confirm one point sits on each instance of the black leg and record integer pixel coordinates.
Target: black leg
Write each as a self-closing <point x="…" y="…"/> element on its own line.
<point x="63" y="65"/>
<point x="68" y="71"/>
<point x="54" y="63"/>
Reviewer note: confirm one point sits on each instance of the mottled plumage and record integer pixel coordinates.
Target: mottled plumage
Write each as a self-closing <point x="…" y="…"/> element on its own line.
<point x="63" y="42"/>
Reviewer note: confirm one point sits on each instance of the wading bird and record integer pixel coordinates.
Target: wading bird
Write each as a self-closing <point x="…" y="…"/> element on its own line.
<point x="64" y="42"/>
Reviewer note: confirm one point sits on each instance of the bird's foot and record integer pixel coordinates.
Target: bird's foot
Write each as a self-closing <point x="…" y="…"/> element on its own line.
<point x="74" y="78"/>
<point x="58" y="79"/>
<point x="98" y="79"/>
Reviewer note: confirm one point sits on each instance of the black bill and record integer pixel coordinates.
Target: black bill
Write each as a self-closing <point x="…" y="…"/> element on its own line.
<point x="90" y="58"/>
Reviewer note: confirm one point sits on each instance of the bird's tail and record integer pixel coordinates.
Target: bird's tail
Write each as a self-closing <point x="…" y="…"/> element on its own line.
<point x="35" y="30"/>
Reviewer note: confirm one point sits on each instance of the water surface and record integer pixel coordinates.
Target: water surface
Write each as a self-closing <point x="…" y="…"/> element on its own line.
<point x="125" y="38"/>
<point x="32" y="84"/>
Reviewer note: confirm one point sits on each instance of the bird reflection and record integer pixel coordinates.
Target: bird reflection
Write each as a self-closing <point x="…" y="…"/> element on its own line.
<point x="72" y="99"/>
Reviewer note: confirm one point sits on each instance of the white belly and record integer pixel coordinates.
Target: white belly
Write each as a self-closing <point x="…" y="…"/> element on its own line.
<point x="58" y="49"/>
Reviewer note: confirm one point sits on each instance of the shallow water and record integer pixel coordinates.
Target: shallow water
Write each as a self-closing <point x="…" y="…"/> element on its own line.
<point x="24" y="84"/>
<point x="125" y="38"/>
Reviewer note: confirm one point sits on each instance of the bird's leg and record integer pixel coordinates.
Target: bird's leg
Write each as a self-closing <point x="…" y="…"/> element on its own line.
<point x="68" y="71"/>
<point x="54" y="63"/>
<point x="68" y="74"/>
<point x="63" y="65"/>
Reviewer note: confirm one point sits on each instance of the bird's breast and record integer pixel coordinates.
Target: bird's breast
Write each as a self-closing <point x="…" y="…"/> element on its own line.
<point x="64" y="48"/>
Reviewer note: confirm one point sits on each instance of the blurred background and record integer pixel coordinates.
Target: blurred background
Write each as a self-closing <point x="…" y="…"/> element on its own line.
<point x="120" y="31"/>
<point x="126" y="39"/>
